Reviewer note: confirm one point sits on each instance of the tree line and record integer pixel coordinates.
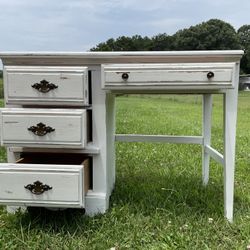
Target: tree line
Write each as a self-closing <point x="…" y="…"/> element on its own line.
<point x="214" y="34"/>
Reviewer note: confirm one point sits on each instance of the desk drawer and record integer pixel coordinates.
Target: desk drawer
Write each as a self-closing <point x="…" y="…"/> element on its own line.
<point x="51" y="128"/>
<point x="167" y="76"/>
<point x="46" y="85"/>
<point x="53" y="182"/>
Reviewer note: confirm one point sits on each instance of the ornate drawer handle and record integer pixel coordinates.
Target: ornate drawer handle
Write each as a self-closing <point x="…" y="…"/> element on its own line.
<point x="41" y="129"/>
<point x="210" y="74"/>
<point x="37" y="187"/>
<point x="44" y="86"/>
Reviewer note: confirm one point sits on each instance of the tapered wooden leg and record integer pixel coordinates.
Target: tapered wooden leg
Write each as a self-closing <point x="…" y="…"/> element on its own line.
<point x="230" y="116"/>
<point x="207" y="117"/>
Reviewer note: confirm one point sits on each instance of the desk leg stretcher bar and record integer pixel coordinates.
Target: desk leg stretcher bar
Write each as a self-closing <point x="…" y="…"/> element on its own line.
<point x="217" y="156"/>
<point x="159" y="138"/>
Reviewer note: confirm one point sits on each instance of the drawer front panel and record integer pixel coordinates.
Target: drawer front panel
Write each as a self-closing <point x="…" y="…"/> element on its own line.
<point x="168" y="76"/>
<point x="39" y="184"/>
<point x="43" y="128"/>
<point x="46" y="85"/>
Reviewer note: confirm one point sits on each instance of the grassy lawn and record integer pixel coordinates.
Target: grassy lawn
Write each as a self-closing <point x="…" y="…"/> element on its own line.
<point x="159" y="201"/>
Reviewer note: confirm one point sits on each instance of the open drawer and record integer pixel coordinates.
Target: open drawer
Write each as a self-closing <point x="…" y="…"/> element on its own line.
<point x="48" y="180"/>
<point x="43" y="128"/>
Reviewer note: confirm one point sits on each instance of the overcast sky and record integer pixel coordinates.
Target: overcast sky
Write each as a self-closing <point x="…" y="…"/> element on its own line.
<point x="78" y="25"/>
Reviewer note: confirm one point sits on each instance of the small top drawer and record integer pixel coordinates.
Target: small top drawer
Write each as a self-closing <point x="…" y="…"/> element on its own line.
<point x="46" y="85"/>
<point x="167" y="76"/>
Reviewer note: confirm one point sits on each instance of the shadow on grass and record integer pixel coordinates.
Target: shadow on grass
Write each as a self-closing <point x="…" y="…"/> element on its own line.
<point x="176" y="194"/>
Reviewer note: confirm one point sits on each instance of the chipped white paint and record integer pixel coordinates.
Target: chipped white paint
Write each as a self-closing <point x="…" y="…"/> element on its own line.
<point x="69" y="127"/>
<point x="167" y="76"/>
<point x="66" y="183"/>
<point x="149" y="72"/>
<point x="71" y="85"/>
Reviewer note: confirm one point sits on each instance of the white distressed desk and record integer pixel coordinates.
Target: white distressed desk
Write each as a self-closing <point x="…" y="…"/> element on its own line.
<point x="58" y="120"/>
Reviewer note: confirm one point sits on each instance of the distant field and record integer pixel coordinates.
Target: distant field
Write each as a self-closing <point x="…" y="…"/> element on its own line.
<point x="159" y="201"/>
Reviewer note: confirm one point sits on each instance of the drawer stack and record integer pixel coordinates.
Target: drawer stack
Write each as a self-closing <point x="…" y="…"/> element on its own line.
<point x="46" y="108"/>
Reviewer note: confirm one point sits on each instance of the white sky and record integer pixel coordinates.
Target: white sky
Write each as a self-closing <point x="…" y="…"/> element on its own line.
<point x="78" y="25"/>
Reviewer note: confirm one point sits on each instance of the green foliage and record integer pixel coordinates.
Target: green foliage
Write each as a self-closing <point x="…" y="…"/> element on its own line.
<point x="211" y="35"/>
<point x="244" y="37"/>
<point x="159" y="201"/>
<point x="123" y="43"/>
<point x="1" y="74"/>
<point x="162" y="42"/>
<point x="245" y="61"/>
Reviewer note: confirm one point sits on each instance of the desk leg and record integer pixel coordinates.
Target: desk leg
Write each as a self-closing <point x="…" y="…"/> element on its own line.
<point x="230" y="115"/>
<point x="110" y="127"/>
<point x="207" y="115"/>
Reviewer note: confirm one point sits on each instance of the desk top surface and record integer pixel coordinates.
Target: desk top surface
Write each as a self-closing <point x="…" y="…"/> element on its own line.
<point x="79" y="58"/>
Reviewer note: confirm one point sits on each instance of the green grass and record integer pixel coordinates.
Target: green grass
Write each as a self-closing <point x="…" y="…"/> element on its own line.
<point x="159" y="201"/>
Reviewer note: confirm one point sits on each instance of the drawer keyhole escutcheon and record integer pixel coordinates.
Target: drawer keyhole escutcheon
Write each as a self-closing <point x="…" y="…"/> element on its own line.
<point x="41" y="129"/>
<point x="210" y="74"/>
<point x="38" y="187"/>
<point x="44" y="86"/>
<point x="125" y="76"/>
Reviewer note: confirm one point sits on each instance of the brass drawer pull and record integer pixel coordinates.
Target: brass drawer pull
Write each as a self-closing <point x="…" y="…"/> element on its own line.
<point x="44" y="86"/>
<point x="38" y="187"/>
<point x="41" y="129"/>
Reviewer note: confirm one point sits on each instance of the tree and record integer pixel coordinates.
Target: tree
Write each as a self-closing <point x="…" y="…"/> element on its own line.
<point x="106" y="46"/>
<point x="124" y="43"/>
<point x="161" y="42"/>
<point x="211" y="35"/>
<point x="141" y="43"/>
<point x="244" y="37"/>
